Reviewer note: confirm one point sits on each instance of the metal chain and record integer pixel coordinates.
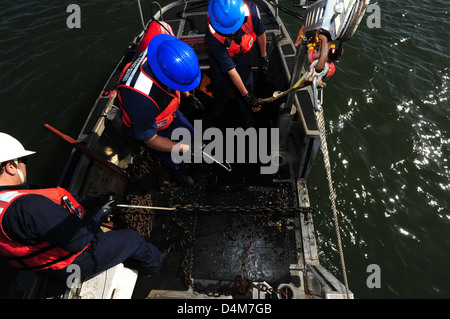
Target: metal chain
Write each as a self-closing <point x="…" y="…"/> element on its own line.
<point x="187" y="243"/>
<point x="243" y="209"/>
<point x="247" y="283"/>
<point x="326" y="158"/>
<point x="142" y="223"/>
<point x="222" y="209"/>
<point x="252" y="239"/>
<point x="243" y="284"/>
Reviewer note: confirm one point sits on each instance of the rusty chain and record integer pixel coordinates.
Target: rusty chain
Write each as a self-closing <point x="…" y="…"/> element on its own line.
<point x="243" y="284"/>
<point x="139" y="219"/>
<point x="142" y="221"/>
<point x="247" y="285"/>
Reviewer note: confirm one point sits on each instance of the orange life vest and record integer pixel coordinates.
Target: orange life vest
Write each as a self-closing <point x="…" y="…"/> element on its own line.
<point x="135" y="78"/>
<point x="43" y="255"/>
<point x="247" y="40"/>
<point x="154" y="28"/>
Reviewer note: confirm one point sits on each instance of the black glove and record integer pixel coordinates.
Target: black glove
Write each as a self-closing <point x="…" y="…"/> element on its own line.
<point x="90" y="202"/>
<point x="194" y="103"/>
<point x="109" y="207"/>
<point x="252" y="101"/>
<point x="264" y="65"/>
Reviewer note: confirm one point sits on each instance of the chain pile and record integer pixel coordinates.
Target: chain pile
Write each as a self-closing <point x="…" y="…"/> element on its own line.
<point x="140" y="173"/>
<point x="141" y="220"/>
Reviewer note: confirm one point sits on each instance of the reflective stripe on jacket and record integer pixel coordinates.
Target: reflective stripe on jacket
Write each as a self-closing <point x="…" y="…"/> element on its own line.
<point x="135" y="78"/>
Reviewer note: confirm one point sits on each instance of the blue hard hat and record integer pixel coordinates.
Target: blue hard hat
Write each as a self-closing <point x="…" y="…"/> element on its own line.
<point x="174" y="62"/>
<point x="226" y="16"/>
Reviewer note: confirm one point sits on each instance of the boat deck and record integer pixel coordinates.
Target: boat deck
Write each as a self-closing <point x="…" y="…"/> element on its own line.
<point x="222" y="220"/>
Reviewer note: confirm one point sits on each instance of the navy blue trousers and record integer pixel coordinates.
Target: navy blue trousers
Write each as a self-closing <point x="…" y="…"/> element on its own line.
<point x="221" y="82"/>
<point x="111" y="248"/>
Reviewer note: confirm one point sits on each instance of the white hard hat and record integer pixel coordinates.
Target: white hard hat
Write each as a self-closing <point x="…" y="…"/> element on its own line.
<point x="10" y="148"/>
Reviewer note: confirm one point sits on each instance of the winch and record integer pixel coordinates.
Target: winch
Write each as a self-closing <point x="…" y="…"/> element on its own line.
<point x="338" y="19"/>
<point x="327" y="21"/>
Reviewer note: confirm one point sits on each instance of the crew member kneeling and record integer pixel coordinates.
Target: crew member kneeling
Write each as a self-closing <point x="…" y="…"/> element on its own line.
<point x="149" y="96"/>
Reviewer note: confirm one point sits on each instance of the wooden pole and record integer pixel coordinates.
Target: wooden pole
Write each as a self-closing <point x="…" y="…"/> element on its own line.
<point x="87" y="151"/>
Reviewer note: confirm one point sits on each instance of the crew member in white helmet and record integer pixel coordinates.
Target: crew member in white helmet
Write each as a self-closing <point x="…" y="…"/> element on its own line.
<point x="41" y="232"/>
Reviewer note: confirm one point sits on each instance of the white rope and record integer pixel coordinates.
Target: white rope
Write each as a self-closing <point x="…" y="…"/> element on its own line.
<point x="326" y="158"/>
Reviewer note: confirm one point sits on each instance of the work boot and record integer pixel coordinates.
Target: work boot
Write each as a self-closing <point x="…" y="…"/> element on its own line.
<point x="144" y="272"/>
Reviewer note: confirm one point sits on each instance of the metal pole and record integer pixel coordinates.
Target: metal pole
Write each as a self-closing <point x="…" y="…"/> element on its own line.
<point x="146" y="207"/>
<point x="299" y="62"/>
<point x="285" y="117"/>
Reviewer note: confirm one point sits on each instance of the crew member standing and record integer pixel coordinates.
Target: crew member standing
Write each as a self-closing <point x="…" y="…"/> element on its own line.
<point x="233" y="28"/>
